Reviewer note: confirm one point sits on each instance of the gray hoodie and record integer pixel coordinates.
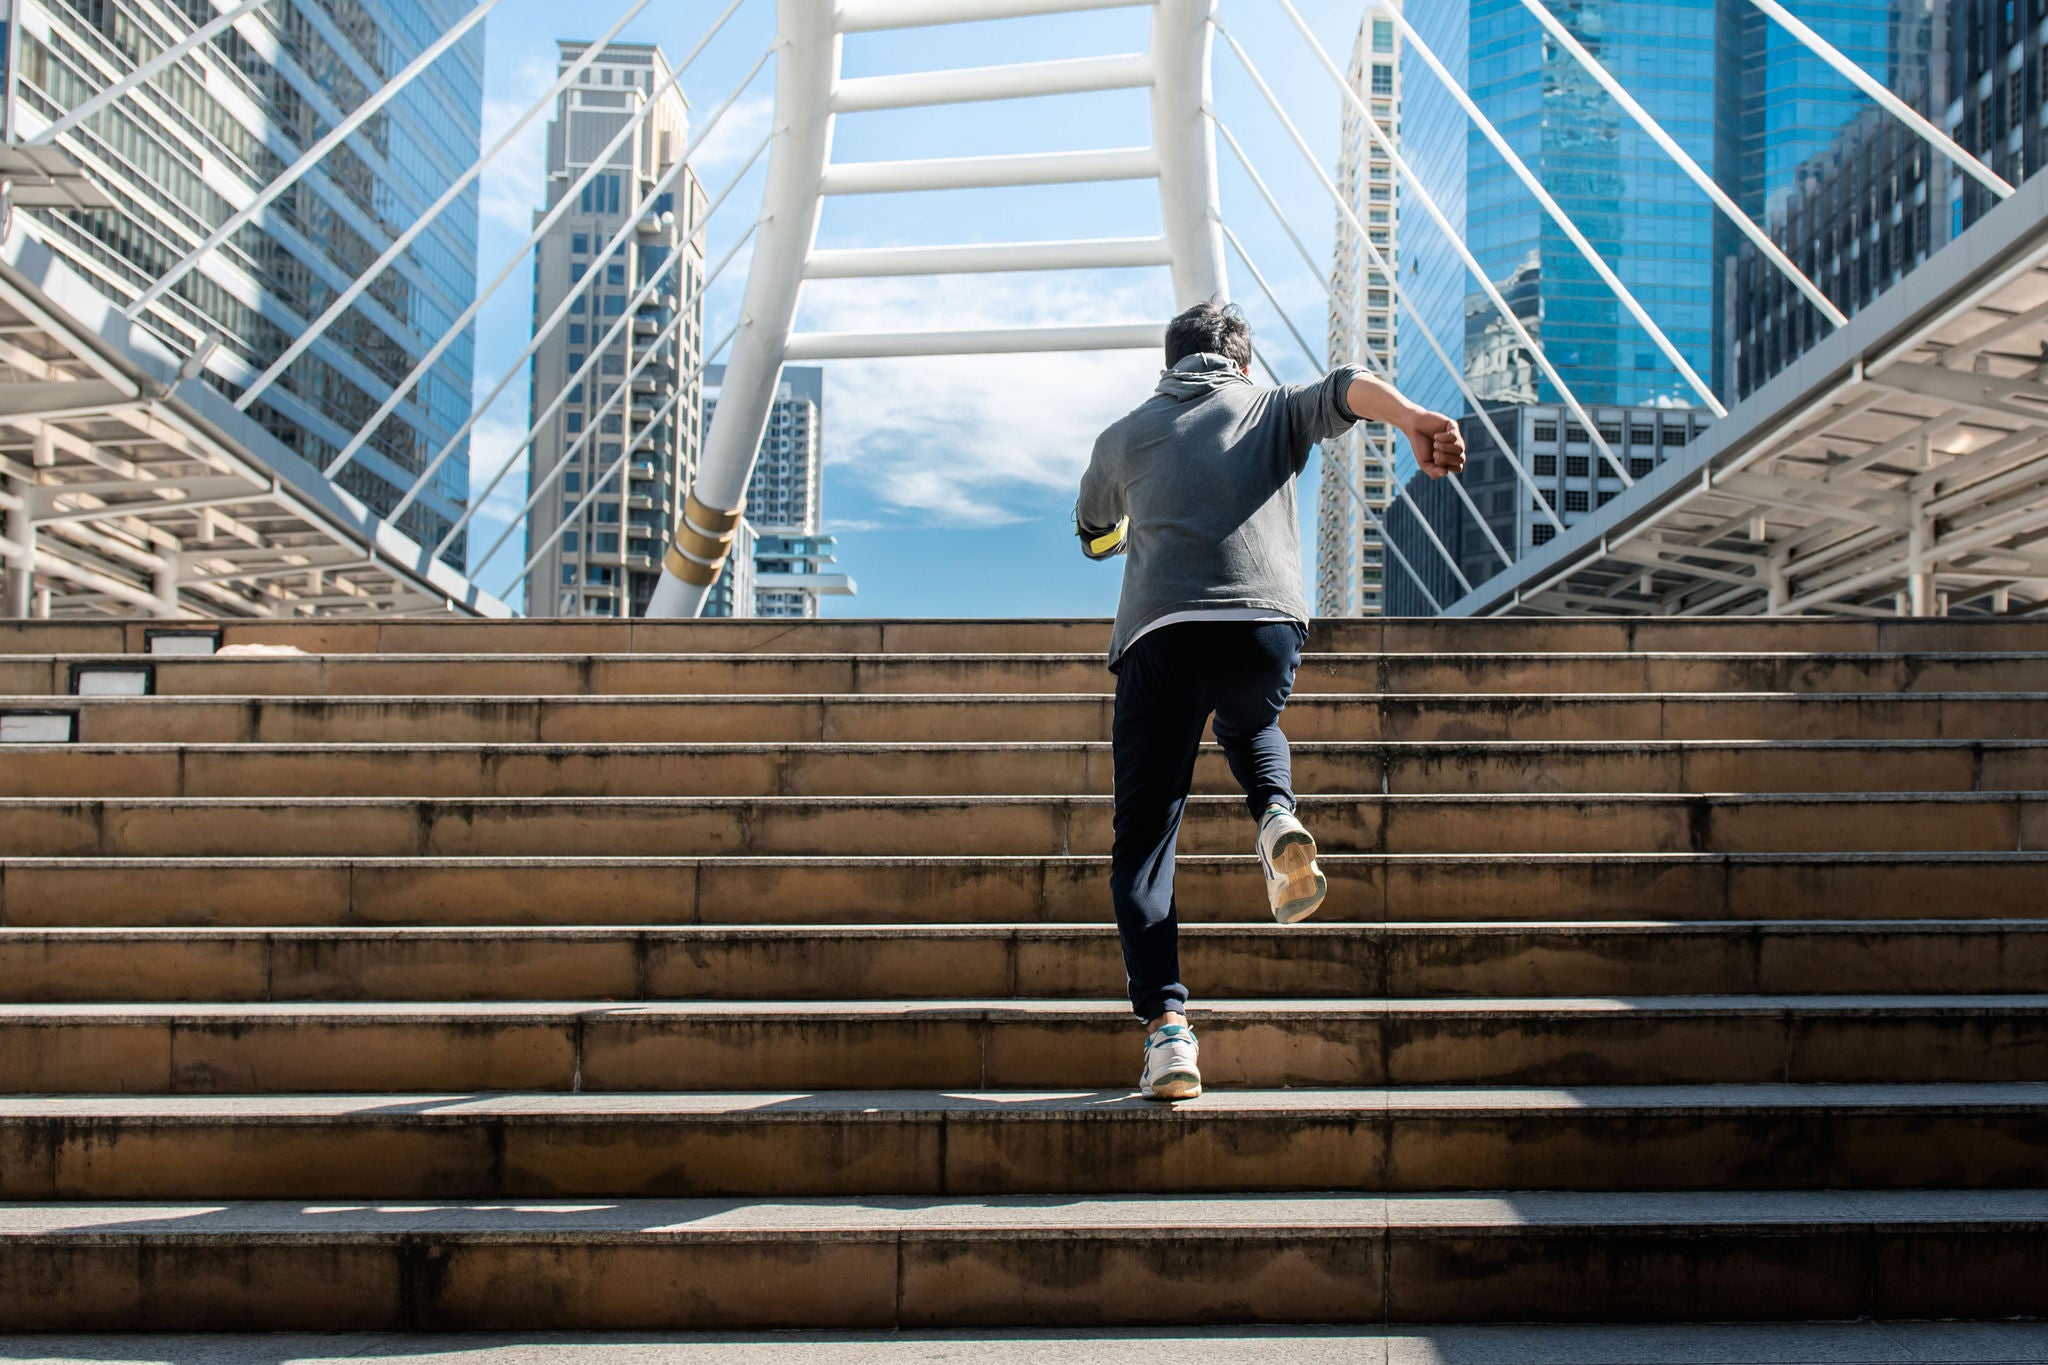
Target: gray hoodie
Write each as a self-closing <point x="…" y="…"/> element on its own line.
<point x="1205" y="471"/>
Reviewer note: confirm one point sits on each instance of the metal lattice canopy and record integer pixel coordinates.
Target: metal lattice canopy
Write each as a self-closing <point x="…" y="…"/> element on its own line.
<point x="1899" y="466"/>
<point x="142" y="489"/>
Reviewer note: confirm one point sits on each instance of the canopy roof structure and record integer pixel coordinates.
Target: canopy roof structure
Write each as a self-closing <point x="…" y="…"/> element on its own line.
<point x="1899" y="467"/>
<point x="141" y="488"/>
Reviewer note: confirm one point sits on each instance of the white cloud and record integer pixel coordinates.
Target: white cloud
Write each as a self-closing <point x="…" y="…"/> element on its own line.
<point x="738" y="133"/>
<point x="976" y="440"/>
<point x="512" y="184"/>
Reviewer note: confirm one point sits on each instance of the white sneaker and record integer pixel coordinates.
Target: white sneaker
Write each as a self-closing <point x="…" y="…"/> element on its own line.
<point x="1170" y="1072"/>
<point x="1287" y="855"/>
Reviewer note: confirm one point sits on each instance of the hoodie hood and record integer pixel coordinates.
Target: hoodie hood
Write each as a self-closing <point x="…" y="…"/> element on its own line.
<point x="1199" y="374"/>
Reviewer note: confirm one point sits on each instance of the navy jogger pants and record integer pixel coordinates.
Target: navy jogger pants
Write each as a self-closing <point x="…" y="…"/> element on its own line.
<point x="1168" y="681"/>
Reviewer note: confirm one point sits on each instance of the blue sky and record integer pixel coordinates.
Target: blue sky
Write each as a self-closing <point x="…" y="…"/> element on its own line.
<point x="948" y="481"/>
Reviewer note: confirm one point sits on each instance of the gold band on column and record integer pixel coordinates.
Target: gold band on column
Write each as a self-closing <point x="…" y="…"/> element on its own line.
<point x="689" y="570"/>
<point x="710" y="519"/>
<point x="695" y="542"/>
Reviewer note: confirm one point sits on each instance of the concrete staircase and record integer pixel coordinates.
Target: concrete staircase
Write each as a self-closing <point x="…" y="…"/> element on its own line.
<point x="637" y="975"/>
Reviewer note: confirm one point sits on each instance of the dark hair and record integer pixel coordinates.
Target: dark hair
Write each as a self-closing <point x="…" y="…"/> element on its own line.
<point x="1219" y="329"/>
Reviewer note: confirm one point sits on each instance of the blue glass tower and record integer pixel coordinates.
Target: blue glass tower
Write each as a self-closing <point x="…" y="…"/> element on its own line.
<point x="1433" y="143"/>
<point x="177" y="156"/>
<point x="1743" y="99"/>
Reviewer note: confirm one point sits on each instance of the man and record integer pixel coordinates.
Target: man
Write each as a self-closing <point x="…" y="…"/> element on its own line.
<point x="1195" y="486"/>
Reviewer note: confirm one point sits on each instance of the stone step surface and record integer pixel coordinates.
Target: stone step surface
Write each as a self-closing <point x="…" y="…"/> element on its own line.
<point x="1015" y="769"/>
<point x="107" y="892"/>
<point x="370" y="1047"/>
<point x="961" y="1143"/>
<point x="1064" y="718"/>
<point x="588" y="976"/>
<point x="1396" y="636"/>
<point x="1541" y="823"/>
<point x="936" y="962"/>
<point x="879" y="1261"/>
<point x="764" y="674"/>
<point x="1776" y="1343"/>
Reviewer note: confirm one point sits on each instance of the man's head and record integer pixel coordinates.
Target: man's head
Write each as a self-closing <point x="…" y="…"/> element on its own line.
<point x="1219" y="329"/>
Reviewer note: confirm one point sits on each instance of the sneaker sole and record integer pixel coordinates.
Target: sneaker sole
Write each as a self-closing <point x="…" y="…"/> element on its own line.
<point x="1178" y="1086"/>
<point x="1302" y="884"/>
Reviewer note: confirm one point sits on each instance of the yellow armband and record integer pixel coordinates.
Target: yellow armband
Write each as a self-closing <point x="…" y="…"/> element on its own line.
<point x="1103" y="544"/>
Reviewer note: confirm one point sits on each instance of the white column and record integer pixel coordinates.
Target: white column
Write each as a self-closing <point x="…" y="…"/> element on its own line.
<point x="806" y="65"/>
<point x="21" y="575"/>
<point x="163" y="582"/>
<point x="1186" y="145"/>
<point x="1920" y="575"/>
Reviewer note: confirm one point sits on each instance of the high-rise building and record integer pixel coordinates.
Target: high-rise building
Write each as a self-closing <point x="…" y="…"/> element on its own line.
<point x="630" y="373"/>
<point x="1877" y="200"/>
<point x="1349" y="556"/>
<point x="177" y="157"/>
<point x="1569" y="475"/>
<point x="1432" y="142"/>
<point x="1743" y="99"/>
<point x="784" y="507"/>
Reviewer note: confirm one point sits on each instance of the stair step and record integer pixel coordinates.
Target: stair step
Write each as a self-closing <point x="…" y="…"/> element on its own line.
<point x="140" y="892"/>
<point x="915" y="962"/>
<point x="437" y="1146"/>
<point x="877" y="1261"/>
<point x="390" y="826"/>
<point x="1368" y="635"/>
<point x="1067" y="769"/>
<point x="958" y="718"/>
<point x="764" y="674"/>
<point x="340" y="1046"/>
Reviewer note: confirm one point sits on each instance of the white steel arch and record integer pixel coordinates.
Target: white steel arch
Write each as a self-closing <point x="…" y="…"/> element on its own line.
<point x="809" y="94"/>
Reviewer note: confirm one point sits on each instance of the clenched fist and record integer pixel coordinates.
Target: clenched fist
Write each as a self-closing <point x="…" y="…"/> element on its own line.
<point x="1438" y="444"/>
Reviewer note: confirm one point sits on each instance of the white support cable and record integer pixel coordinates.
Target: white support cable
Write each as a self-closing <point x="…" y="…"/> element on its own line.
<point x="1542" y="196"/>
<point x="555" y="404"/>
<point x="313" y="156"/>
<point x="434" y="210"/>
<point x="1372" y="518"/>
<point x="541" y="229"/>
<point x="480" y="407"/>
<point x="1393" y="279"/>
<point x="1379" y="454"/>
<point x="597" y="484"/>
<point x="1742" y="221"/>
<point x="203" y="34"/>
<point x="1429" y="204"/>
<point x="1891" y="103"/>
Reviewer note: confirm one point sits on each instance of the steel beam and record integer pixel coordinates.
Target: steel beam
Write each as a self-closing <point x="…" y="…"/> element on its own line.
<point x="1020" y="80"/>
<point x="985" y="172"/>
<point x="1185" y="146"/>
<point x="803" y="346"/>
<point x="847" y="263"/>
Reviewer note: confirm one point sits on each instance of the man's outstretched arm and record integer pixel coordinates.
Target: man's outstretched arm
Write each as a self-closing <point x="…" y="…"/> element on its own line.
<point x="1438" y="444"/>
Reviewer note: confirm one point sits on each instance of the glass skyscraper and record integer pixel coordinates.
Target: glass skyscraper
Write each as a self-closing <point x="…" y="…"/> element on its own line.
<point x="180" y="154"/>
<point x="1432" y="276"/>
<point x="1743" y="99"/>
